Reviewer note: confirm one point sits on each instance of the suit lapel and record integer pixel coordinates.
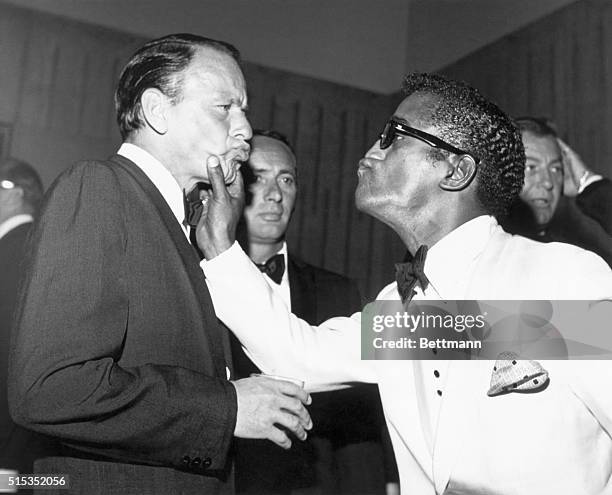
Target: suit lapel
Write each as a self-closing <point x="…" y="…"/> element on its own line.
<point x="302" y="288"/>
<point x="467" y="383"/>
<point x="218" y="343"/>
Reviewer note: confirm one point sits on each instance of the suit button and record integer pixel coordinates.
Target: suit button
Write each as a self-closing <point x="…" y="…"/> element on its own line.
<point x="206" y="462"/>
<point x="186" y="460"/>
<point x="195" y="463"/>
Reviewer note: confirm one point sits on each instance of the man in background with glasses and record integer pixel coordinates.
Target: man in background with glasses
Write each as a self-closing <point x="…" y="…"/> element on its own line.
<point x="447" y="163"/>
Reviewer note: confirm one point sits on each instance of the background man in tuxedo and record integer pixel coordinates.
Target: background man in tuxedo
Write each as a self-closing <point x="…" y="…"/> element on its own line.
<point x="553" y="171"/>
<point x="117" y="351"/>
<point x="21" y="192"/>
<point x="343" y="452"/>
<point x="447" y="162"/>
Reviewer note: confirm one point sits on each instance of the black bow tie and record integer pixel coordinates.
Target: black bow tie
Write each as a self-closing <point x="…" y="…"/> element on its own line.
<point x="408" y="274"/>
<point x="273" y="268"/>
<point x="193" y="207"/>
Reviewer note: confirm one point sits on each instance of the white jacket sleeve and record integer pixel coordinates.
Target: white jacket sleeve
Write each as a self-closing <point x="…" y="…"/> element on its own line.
<point x="325" y="357"/>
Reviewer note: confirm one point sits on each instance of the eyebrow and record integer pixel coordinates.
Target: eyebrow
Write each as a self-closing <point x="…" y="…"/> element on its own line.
<point x="226" y="95"/>
<point x="282" y="171"/>
<point x="402" y="120"/>
<point x="531" y="157"/>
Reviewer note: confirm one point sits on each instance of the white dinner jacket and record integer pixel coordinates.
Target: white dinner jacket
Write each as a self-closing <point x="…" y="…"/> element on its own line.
<point x="556" y="441"/>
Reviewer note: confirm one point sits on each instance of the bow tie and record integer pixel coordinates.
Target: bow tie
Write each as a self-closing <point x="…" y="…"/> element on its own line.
<point x="193" y="207"/>
<point x="273" y="268"/>
<point x="408" y="274"/>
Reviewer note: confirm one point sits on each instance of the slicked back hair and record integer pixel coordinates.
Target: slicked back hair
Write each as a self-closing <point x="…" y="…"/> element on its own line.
<point x="24" y="176"/>
<point x="159" y="64"/>
<point x="274" y="135"/>
<point x="538" y="126"/>
<point x="467" y="120"/>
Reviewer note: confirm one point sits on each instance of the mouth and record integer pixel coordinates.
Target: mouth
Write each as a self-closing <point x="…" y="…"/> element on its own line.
<point x="242" y="153"/>
<point x="364" y="166"/>
<point x="271" y="216"/>
<point x="541" y="202"/>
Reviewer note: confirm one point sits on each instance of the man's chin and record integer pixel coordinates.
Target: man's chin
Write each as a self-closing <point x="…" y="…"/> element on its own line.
<point x="362" y="200"/>
<point x="542" y="218"/>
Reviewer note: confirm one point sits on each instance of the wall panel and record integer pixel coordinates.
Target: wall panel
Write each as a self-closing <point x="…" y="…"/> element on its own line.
<point x="57" y="85"/>
<point x="560" y="67"/>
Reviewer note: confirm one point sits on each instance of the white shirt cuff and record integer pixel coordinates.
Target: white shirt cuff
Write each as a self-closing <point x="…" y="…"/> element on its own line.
<point x="219" y="264"/>
<point x="588" y="182"/>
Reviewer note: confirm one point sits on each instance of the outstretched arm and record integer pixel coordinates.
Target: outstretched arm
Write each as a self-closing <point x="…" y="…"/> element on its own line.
<point x="278" y="341"/>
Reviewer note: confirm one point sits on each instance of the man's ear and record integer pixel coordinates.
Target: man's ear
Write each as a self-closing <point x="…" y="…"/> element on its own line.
<point x="154" y="104"/>
<point x="461" y="172"/>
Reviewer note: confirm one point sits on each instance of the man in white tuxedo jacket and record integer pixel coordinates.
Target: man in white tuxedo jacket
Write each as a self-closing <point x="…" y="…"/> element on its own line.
<point x="448" y="161"/>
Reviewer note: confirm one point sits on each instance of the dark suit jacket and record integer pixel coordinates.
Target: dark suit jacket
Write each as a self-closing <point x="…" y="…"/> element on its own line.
<point x="117" y="352"/>
<point x="11" y="256"/>
<point x="585" y="221"/>
<point x="18" y="447"/>
<point x="342" y="417"/>
<point x="596" y="202"/>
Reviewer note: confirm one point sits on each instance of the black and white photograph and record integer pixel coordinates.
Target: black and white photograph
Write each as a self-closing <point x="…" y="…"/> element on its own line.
<point x="306" y="247"/>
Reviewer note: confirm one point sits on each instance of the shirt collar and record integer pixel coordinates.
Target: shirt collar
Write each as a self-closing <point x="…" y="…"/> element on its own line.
<point x="159" y="175"/>
<point x="450" y="260"/>
<point x="14" y="222"/>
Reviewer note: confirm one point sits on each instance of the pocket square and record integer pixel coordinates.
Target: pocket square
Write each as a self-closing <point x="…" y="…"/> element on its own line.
<point x="513" y="374"/>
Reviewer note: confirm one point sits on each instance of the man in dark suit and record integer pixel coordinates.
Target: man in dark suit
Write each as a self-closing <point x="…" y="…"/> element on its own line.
<point x="561" y="200"/>
<point x="343" y="453"/>
<point x="117" y="352"/>
<point x="21" y="191"/>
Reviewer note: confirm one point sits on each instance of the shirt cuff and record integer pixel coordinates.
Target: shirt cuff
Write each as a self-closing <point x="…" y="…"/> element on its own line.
<point x="588" y="181"/>
<point x="221" y="262"/>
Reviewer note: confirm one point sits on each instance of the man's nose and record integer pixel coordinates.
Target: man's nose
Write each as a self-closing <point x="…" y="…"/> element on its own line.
<point x="375" y="151"/>
<point x="545" y="179"/>
<point x="242" y="128"/>
<point x="273" y="192"/>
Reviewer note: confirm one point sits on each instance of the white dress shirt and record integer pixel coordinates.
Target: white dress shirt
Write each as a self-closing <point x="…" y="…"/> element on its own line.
<point x="14" y="222"/>
<point x="163" y="180"/>
<point x="283" y="290"/>
<point x="460" y="441"/>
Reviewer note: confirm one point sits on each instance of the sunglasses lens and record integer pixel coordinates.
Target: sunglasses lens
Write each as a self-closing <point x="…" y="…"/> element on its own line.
<point x="386" y="138"/>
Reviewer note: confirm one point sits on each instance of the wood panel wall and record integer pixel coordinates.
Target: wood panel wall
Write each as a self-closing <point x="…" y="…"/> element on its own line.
<point x="57" y="85"/>
<point x="560" y="67"/>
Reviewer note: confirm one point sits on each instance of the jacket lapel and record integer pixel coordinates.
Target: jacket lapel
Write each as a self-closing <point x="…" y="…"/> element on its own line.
<point x="218" y="342"/>
<point x="467" y="382"/>
<point x="302" y="288"/>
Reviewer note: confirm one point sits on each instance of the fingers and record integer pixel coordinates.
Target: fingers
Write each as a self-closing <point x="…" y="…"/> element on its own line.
<point x="215" y="176"/>
<point x="297" y="410"/>
<point x="290" y="423"/>
<point x="293" y="390"/>
<point x="563" y="145"/>
<point x="280" y="438"/>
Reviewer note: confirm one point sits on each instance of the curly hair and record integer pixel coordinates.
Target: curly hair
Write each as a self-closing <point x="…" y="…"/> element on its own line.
<point x="160" y="64"/>
<point x="467" y="120"/>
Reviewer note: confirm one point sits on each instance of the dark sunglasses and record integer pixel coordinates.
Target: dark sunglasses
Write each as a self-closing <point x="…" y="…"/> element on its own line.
<point x="394" y="127"/>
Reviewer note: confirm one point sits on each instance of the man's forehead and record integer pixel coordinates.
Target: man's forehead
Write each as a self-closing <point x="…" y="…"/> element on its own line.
<point x="267" y="152"/>
<point x="216" y="69"/>
<point x="535" y="145"/>
<point x="416" y="108"/>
